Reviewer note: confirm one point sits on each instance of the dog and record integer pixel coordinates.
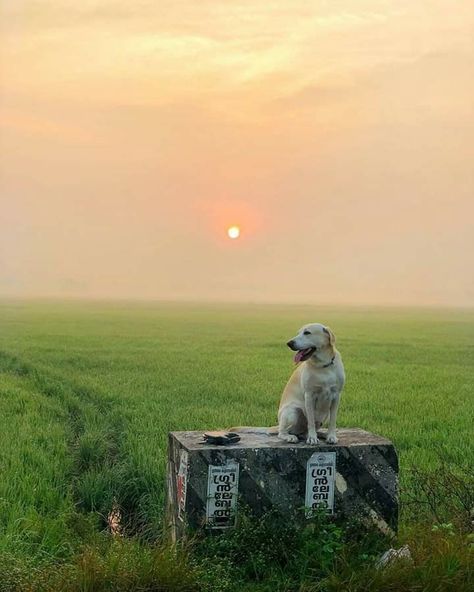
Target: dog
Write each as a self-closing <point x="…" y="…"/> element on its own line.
<point x="313" y="392"/>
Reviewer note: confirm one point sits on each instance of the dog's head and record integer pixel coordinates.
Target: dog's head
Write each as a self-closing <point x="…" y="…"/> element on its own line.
<point x="310" y="340"/>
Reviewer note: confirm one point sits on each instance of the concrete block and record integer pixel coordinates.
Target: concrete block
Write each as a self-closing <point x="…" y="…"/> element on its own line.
<point x="357" y="477"/>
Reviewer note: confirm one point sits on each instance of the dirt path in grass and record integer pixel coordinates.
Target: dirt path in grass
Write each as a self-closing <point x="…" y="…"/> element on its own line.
<point x="93" y="432"/>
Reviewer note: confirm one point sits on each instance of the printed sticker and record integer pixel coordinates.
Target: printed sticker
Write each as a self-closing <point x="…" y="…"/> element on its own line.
<point x="320" y="479"/>
<point x="222" y="490"/>
<point x="182" y="483"/>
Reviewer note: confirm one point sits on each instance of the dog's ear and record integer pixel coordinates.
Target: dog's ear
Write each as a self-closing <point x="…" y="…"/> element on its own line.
<point x="332" y="337"/>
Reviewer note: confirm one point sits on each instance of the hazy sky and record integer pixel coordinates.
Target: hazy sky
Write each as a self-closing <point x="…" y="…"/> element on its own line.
<point x="339" y="134"/>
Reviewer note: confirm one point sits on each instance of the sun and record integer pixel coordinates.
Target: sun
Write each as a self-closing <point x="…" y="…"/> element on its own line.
<point x="233" y="232"/>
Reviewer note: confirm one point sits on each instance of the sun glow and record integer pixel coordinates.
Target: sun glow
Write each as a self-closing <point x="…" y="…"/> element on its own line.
<point x="233" y="232"/>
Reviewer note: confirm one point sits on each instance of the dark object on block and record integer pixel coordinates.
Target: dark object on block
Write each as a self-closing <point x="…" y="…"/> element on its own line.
<point x="357" y="478"/>
<point x="220" y="438"/>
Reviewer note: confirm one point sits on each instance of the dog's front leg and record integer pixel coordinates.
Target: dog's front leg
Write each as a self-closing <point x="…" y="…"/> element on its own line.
<point x="312" y="437"/>
<point x="332" y="438"/>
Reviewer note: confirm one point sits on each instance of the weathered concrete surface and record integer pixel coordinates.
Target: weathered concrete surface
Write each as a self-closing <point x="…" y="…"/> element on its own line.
<point x="272" y="474"/>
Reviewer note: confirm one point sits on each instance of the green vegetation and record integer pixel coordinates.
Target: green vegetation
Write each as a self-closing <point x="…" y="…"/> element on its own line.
<point x="88" y="393"/>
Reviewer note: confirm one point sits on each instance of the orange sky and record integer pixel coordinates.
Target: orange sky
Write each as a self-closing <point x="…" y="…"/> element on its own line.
<point x="339" y="134"/>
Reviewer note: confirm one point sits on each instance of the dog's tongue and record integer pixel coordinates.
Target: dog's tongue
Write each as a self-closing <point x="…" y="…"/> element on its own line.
<point x="300" y="355"/>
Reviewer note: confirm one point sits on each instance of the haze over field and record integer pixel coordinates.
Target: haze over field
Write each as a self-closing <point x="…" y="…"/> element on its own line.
<point x="339" y="135"/>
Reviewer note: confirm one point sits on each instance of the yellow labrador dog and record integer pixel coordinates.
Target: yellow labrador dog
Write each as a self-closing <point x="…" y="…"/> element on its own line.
<point x="313" y="392"/>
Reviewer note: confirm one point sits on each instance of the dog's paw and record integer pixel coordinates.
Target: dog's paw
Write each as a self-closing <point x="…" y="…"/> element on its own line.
<point x="288" y="438"/>
<point x="312" y="440"/>
<point x="331" y="439"/>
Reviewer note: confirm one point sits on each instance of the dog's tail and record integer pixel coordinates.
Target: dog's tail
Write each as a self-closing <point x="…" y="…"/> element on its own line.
<point x="273" y="431"/>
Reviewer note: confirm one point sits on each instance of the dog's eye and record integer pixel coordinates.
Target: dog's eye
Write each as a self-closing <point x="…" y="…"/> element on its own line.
<point x="306" y="332"/>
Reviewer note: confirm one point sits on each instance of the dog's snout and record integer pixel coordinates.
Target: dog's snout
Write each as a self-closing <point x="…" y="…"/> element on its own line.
<point x="291" y="344"/>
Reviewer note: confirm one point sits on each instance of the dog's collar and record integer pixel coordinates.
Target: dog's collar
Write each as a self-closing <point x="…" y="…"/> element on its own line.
<point x="330" y="363"/>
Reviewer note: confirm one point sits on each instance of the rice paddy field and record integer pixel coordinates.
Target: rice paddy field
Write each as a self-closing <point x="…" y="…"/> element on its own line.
<point x="89" y="391"/>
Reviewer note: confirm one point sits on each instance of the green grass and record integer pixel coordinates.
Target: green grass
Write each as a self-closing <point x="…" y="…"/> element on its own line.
<point x="88" y="393"/>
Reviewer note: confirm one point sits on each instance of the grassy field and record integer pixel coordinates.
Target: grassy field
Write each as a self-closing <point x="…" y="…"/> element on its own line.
<point x="89" y="391"/>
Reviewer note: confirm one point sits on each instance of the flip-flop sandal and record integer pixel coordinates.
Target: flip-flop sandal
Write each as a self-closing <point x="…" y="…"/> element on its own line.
<point x="220" y="438"/>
